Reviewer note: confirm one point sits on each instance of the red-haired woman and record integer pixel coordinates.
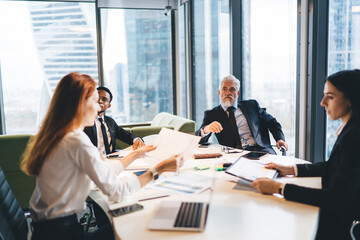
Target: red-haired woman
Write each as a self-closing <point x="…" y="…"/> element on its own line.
<point x="65" y="162"/>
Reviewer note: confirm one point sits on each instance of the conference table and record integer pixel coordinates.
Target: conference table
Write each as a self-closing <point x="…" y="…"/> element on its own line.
<point x="237" y="211"/>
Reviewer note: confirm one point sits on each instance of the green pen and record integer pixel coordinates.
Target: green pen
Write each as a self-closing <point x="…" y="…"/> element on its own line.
<point x="223" y="167"/>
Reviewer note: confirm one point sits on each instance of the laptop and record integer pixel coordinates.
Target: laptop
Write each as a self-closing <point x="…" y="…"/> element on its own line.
<point x="174" y="215"/>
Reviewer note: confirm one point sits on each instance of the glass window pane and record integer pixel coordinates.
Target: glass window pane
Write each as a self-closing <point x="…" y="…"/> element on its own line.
<point x="343" y="48"/>
<point x="269" y="60"/>
<point x="137" y="63"/>
<point x="40" y="43"/>
<point x="211" y="53"/>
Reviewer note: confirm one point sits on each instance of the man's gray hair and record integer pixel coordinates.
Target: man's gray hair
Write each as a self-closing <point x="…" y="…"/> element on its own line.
<point x="232" y="79"/>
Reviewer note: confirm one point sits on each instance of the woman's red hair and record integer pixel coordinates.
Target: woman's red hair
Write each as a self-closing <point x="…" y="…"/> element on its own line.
<point x="64" y="114"/>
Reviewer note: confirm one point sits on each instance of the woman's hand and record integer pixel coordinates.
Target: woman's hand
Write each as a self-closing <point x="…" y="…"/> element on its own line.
<point x="266" y="186"/>
<point x="144" y="149"/>
<point x="284" y="170"/>
<point x="170" y="164"/>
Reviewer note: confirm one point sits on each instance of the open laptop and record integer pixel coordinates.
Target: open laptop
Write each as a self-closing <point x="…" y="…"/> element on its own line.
<point x="182" y="215"/>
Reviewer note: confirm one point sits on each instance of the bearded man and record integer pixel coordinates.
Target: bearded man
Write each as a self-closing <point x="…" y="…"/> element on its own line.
<point x="243" y="124"/>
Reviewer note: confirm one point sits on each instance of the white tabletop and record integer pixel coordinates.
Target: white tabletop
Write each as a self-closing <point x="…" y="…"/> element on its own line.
<point x="236" y="211"/>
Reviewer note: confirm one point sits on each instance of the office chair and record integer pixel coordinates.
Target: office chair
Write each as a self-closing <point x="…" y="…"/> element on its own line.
<point x="354" y="230"/>
<point x="13" y="221"/>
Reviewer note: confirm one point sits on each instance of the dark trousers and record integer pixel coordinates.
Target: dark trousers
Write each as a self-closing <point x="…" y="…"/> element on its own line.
<point x="59" y="228"/>
<point x="68" y="228"/>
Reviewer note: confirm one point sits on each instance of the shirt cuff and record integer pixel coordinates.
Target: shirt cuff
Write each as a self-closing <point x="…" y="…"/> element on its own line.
<point x="295" y="170"/>
<point x="134" y="183"/>
<point x="203" y="134"/>
<point x="115" y="165"/>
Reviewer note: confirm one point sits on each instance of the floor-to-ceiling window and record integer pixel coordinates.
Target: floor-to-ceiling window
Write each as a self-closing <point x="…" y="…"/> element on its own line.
<point x="211" y="52"/>
<point x="343" y="48"/>
<point x="269" y="59"/>
<point x="40" y="42"/>
<point x="137" y="62"/>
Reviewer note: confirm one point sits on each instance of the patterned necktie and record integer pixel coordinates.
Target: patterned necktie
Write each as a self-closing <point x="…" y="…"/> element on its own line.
<point x="233" y="125"/>
<point x="106" y="142"/>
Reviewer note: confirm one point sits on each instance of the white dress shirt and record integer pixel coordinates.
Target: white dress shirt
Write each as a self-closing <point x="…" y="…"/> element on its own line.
<point x="64" y="181"/>
<point x="100" y="142"/>
<point x="246" y="137"/>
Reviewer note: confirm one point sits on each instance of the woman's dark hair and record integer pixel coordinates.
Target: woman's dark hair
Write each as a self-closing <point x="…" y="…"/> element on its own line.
<point x="348" y="82"/>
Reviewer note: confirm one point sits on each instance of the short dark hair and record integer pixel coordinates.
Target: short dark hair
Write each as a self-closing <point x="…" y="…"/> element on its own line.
<point x="106" y="90"/>
<point x="348" y="82"/>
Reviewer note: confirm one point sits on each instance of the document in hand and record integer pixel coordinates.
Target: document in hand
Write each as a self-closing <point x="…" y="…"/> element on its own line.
<point x="170" y="142"/>
<point x="250" y="170"/>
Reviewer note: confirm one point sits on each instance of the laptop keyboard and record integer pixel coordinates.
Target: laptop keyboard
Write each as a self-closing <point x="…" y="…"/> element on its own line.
<point x="189" y="215"/>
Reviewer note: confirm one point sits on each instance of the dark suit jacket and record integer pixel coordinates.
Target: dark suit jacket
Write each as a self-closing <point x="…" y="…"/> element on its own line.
<point x="339" y="198"/>
<point x="260" y="123"/>
<point x="116" y="132"/>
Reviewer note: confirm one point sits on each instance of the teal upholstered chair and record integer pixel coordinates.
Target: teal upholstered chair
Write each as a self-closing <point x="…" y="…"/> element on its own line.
<point x="11" y="150"/>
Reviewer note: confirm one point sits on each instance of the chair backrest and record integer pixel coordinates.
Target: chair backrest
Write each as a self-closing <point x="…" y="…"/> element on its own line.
<point x="11" y="150"/>
<point x="13" y="224"/>
<point x="179" y="123"/>
<point x="355" y="230"/>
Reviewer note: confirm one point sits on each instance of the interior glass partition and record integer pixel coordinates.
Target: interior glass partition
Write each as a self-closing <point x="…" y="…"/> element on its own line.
<point x="40" y="42"/>
<point x="137" y="63"/>
<point x="343" y="48"/>
<point x="269" y="30"/>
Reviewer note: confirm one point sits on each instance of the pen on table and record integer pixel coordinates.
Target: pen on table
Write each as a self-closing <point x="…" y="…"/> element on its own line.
<point x="150" y="198"/>
<point x="223" y="167"/>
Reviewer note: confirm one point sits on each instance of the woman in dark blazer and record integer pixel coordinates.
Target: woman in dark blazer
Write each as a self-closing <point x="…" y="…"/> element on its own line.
<point x="339" y="198"/>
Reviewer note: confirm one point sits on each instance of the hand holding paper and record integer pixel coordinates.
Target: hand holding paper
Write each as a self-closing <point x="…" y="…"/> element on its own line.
<point x="170" y="142"/>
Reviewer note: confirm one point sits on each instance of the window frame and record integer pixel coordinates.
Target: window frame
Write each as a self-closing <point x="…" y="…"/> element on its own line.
<point x="311" y="63"/>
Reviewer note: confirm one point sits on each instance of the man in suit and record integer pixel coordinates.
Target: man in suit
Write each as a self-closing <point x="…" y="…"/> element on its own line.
<point x="105" y="130"/>
<point x="242" y="124"/>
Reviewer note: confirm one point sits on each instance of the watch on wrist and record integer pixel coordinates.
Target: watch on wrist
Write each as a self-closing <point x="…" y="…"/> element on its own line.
<point x="155" y="173"/>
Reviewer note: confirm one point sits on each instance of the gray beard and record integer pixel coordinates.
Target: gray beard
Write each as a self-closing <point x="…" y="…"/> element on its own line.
<point x="227" y="103"/>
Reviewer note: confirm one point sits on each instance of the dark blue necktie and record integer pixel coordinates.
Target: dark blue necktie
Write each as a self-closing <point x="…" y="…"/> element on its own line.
<point x="233" y="125"/>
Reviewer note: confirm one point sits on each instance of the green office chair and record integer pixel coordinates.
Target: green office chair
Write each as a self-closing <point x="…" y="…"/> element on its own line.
<point x="13" y="221"/>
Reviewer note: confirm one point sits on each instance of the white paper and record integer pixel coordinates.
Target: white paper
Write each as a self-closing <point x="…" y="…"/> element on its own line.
<point x="184" y="183"/>
<point x="170" y="142"/>
<point x="250" y="170"/>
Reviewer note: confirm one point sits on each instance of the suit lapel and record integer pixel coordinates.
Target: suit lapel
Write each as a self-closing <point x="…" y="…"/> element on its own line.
<point x="251" y="120"/>
<point x="224" y="121"/>
<point x="94" y="133"/>
<point x="337" y="144"/>
<point x="111" y="143"/>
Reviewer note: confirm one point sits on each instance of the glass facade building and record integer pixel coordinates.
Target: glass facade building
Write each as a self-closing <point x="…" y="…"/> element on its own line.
<point x="343" y="48"/>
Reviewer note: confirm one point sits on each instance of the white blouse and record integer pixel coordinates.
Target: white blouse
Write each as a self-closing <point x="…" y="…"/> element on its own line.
<point x="66" y="176"/>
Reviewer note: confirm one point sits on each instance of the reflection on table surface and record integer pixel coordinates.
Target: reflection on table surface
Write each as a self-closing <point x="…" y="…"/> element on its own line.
<point x="237" y="210"/>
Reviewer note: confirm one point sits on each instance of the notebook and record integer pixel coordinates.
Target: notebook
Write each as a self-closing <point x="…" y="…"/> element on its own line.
<point x="173" y="215"/>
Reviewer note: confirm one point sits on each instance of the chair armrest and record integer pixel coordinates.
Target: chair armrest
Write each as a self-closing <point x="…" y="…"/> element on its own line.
<point x="131" y="125"/>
